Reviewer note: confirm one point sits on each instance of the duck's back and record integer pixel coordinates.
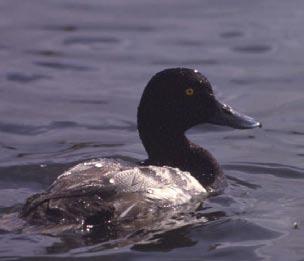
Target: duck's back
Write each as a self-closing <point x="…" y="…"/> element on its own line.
<point x="101" y="190"/>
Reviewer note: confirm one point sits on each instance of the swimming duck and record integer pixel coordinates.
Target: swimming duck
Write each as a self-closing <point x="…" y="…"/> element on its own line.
<point x="176" y="171"/>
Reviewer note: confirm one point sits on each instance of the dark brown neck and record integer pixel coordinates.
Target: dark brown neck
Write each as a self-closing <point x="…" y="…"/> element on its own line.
<point x="172" y="148"/>
<point x="161" y="145"/>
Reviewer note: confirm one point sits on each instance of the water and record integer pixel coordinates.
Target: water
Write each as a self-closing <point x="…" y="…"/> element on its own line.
<point x="72" y="73"/>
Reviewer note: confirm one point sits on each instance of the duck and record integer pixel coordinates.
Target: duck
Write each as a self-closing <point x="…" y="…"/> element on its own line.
<point x="102" y="191"/>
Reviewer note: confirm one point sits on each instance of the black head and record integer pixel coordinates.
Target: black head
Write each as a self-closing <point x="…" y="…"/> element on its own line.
<point x="180" y="98"/>
<point x="177" y="98"/>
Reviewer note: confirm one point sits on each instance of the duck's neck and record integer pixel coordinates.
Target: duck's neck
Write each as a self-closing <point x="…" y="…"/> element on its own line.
<point x="162" y="146"/>
<point x="172" y="148"/>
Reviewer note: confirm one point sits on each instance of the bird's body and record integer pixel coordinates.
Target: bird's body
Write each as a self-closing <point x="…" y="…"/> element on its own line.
<point x="103" y="189"/>
<point x="176" y="171"/>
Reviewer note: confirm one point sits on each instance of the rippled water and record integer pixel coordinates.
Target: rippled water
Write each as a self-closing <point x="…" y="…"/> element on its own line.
<point x="71" y="75"/>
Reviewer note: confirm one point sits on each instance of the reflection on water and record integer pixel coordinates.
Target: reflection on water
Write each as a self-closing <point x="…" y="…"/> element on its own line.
<point x="72" y="75"/>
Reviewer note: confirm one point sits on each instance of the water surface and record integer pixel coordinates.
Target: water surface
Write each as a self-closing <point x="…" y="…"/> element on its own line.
<point x="71" y="75"/>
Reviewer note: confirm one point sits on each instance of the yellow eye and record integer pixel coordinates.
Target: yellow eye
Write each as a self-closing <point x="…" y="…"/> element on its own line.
<point x="189" y="92"/>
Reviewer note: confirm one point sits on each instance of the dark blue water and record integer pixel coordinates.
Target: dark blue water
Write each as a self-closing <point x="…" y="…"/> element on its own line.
<point x="71" y="75"/>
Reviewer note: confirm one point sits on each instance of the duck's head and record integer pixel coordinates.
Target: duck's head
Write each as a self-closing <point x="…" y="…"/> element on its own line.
<point x="177" y="99"/>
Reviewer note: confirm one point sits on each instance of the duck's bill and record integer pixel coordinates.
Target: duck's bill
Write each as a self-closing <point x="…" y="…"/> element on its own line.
<point x="227" y="116"/>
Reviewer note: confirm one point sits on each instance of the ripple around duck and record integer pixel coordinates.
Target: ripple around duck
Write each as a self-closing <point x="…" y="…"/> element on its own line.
<point x="236" y="230"/>
<point x="239" y="137"/>
<point x="101" y="27"/>
<point x="171" y="233"/>
<point x="288" y="132"/>
<point x="92" y="40"/>
<point x="231" y="34"/>
<point x="24" y="78"/>
<point x="63" y="66"/>
<point x="17" y="176"/>
<point x="263" y="80"/>
<point x="278" y="170"/>
<point x="183" y="42"/>
<point x="210" y="235"/>
<point x="255" y="49"/>
<point x="189" y="62"/>
<point x="64" y="28"/>
<point x="83" y="145"/>
<point x="21" y="129"/>
<point x="88" y="101"/>
<point x="243" y="183"/>
<point x="2" y="145"/>
<point x="46" y="53"/>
